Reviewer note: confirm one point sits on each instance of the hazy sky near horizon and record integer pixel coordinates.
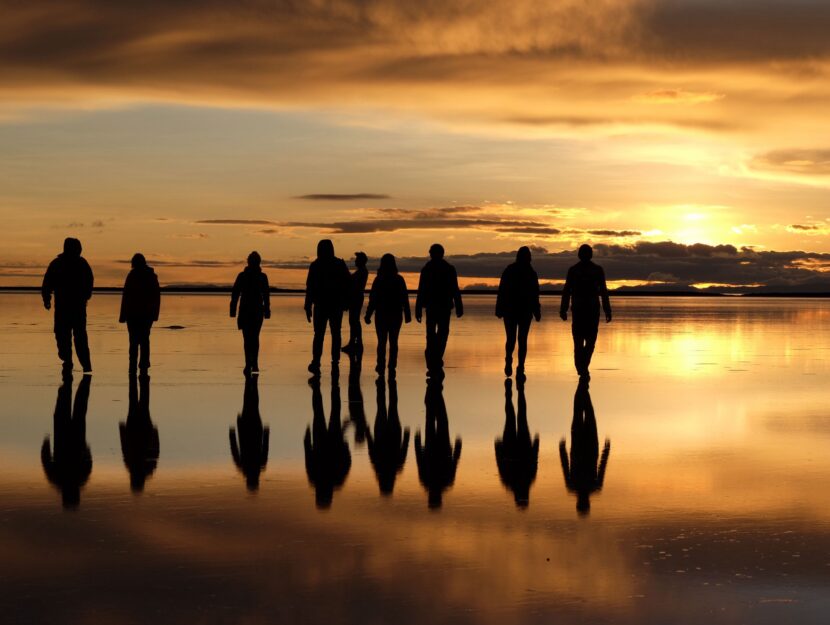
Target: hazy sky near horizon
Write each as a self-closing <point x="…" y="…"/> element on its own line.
<point x="196" y="132"/>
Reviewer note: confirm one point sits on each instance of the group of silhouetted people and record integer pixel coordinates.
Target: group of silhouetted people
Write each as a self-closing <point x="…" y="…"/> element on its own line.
<point x="331" y="290"/>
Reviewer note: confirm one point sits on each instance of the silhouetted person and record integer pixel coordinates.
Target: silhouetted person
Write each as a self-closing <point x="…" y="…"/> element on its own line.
<point x="516" y="456"/>
<point x="252" y="287"/>
<point x="517" y="304"/>
<point x="326" y="297"/>
<point x="139" y="437"/>
<point x="583" y="476"/>
<point x="69" y="277"/>
<point x="327" y="456"/>
<point x="357" y="412"/>
<point x="438" y="293"/>
<point x="437" y="457"/>
<point x="68" y="463"/>
<point x="389" y="301"/>
<point x="584" y="288"/>
<point x="249" y="441"/>
<point x="389" y="445"/>
<point x="357" y="286"/>
<point x="140" y="303"/>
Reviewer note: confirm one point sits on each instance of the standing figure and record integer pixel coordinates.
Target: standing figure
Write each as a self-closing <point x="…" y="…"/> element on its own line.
<point x="584" y="288"/>
<point x="389" y="301"/>
<point x="326" y="297"/>
<point x="437" y="457"/>
<point x="249" y="441"/>
<point x="327" y="456"/>
<point x="517" y="304"/>
<point x="252" y="286"/>
<point x="357" y="286"/>
<point x="68" y="463"/>
<point x="390" y="443"/>
<point x="140" y="303"/>
<point x="516" y="456"/>
<point x="69" y="277"/>
<point x="583" y="475"/>
<point x="438" y="292"/>
<point x="139" y="437"/>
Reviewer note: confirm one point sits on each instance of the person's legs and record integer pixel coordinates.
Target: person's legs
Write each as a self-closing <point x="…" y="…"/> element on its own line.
<point x="383" y="332"/>
<point x="579" y="348"/>
<point x="429" y="351"/>
<point x="335" y="324"/>
<point x="355" y="329"/>
<point x="319" y="321"/>
<point x="63" y="337"/>
<point x="509" y="345"/>
<point x="442" y="335"/>
<point x="524" y="329"/>
<point x="394" y="332"/>
<point x="590" y="342"/>
<point x="250" y="337"/>
<point x="144" y="361"/>
<point x="81" y="339"/>
<point x="133" y="332"/>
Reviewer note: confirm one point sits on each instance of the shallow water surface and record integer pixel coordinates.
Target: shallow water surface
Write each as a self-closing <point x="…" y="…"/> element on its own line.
<point x="713" y="505"/>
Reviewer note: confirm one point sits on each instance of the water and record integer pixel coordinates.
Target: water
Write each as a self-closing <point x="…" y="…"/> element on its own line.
<point x="715" y="506"/>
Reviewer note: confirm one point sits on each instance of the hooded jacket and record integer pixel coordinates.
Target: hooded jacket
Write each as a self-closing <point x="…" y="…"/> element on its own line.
<point x="141" y="297"/>
<point x="70" y="278"/>
<point x="252" y="286"/>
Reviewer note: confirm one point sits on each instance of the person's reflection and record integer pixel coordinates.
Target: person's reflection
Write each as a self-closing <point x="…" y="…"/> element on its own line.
<point x="357" y="414"/>
<point x="68" y="463"/>
<point x="249" y="441"/>
<point x="139" y="437"/>
<point x="389" y="445"/>
<point x="437" y="458"/>
<point x="584" y="476"/>
<point x="327" y="456"/>
<point x="516" y="456"/>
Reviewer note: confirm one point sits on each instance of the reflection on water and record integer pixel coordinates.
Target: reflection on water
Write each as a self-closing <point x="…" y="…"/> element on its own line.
<point x="517" y="456"/>
<point x="249" y="441"/>
<point x="585" y="472"/>
<point x="68" y="462"/>
<point x="717" y="511"/>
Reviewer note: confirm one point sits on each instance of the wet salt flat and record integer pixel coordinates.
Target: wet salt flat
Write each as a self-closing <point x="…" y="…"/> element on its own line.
<point x="715" y="504"/>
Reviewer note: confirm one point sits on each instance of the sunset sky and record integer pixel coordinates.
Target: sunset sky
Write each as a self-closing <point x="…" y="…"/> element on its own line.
<point x="689" y="141"/>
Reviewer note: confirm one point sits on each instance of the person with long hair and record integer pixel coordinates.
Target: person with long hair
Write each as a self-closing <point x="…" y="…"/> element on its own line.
<point x="252" y="288"/>
<point x="518" y="304"/>
<point x="389" y="302"/>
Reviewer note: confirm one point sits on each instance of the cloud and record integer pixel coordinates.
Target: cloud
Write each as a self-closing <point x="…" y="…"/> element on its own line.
<point x="343" y="197"/>
<point x="237" y="222"/>
<point x="678" y="96"/>
<point x="811" y="229"/>
<point x="805" y="162"/>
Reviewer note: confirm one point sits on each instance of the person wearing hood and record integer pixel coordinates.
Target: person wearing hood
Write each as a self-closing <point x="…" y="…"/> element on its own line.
<point x="389" y="302"/>
<point x="326" y="297"/>
<point x="70" y="278"/>
<point x="517" y="304"/>
<point x="252" y="287"/>
<point x="140" y="303"/>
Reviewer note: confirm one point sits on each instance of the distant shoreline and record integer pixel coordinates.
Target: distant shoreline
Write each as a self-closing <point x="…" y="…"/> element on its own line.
<point x="212" y="290"/>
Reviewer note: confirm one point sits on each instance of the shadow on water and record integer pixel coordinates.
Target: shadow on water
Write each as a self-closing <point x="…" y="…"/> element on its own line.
<point x="436" y="456"/>
<point x="389" y="444"/>
<point x="517" y="456"/>
<point x="249" y="441"/>
<point x="357" y="413"/>
<point x="585" y="472"/>
<point x="67" y="463"/>
<point x="139" y="436"/>
<point x="327" y="455"/>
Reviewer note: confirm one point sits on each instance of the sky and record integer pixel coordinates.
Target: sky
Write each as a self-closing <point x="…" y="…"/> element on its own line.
<point x="686" y="140"/>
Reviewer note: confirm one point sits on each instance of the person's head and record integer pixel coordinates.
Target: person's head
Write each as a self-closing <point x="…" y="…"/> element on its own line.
<point x="583" y="503"/>
<point x="138" y="261"/>
<point x="71" y="246"/>
<point x="360" y="260"/>
<point x="325" y="249"/>
<point x="523" y="255"/>
<point x="585" y="252"/>
<point x="388" y="266"/>
<point x="254" y="260"/>
<point x="436" y="251"/>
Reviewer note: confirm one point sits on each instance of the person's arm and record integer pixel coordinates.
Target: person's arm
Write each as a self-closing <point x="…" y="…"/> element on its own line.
<point x="456" y="294"/>
<point x="404" y="448"/>
<point x="404" y="295"/>
<point x="310" y="282"/>
<point x="419" y="298"/>
<point x="603" y="292"/>
<point x="89" y="280"/>
<point x="565" y="304"/>
<point x="156" y="298"/>
<point x="266" y="441"/>
<point x="563" y="458"/>
<point x="48" y="286"/>
<point x="603" y="463"/>
<point x="237" y="458"/>
<point x="125" y="300"/>
<point x="370" y="307"/>
<point x="266" y="297"/>
<point x="537" y="305"/>
<point x="502" y="294"/>
<point x="235" y="292"/>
